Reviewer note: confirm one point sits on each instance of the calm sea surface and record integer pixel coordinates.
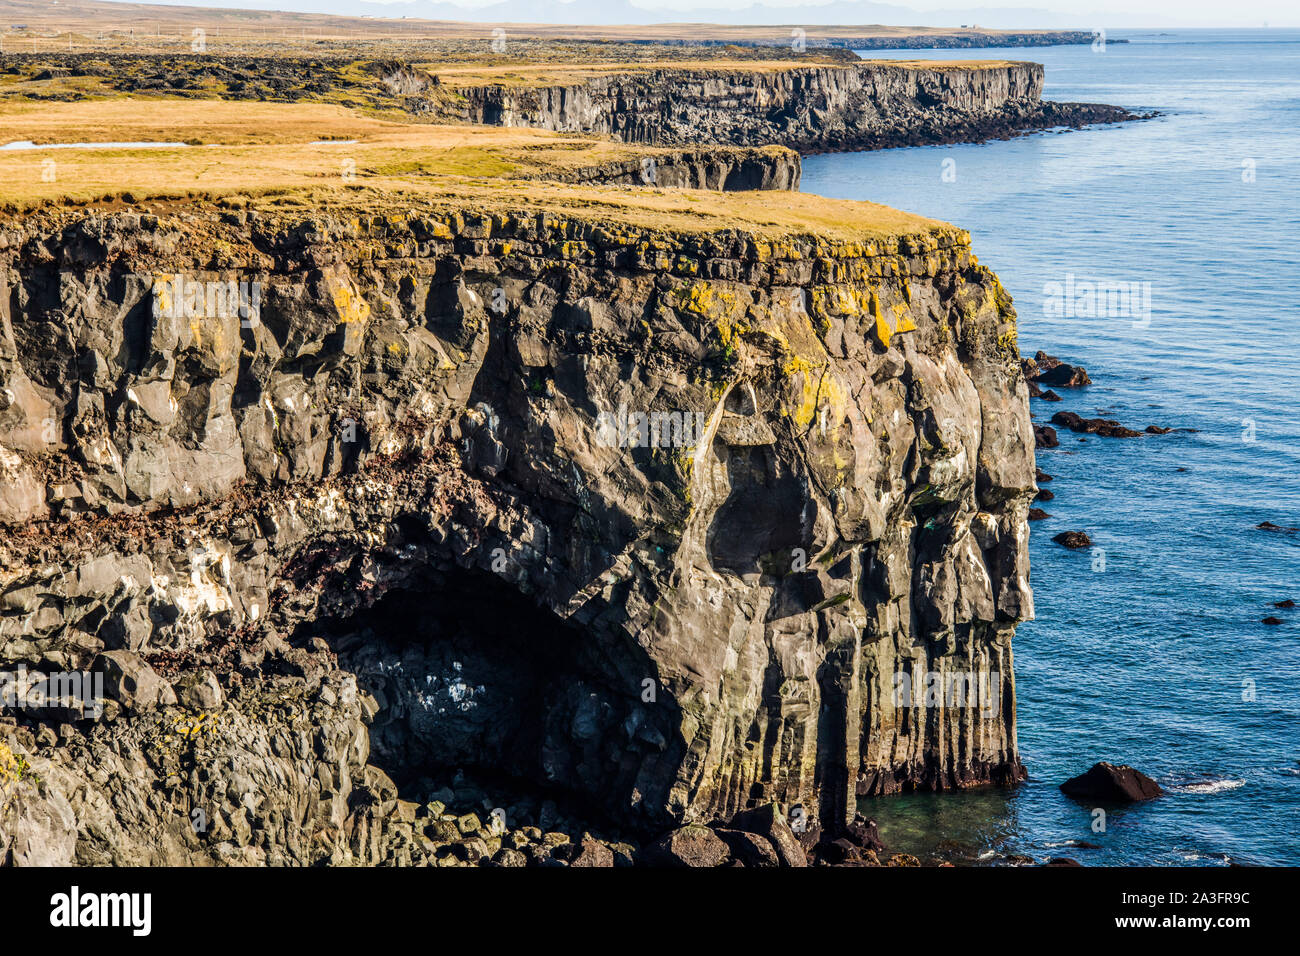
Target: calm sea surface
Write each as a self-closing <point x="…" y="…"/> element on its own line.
<point x="1153" y="653"/>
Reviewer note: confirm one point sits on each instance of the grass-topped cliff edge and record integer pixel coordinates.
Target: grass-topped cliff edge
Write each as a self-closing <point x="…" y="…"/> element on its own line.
<point x="269" y="155"/>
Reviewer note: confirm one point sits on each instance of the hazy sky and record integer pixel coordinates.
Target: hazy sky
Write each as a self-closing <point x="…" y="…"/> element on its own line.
<point x="1085" y="13"/>
<point x="1245" y="13"/>
<point x="1254" y="11"/>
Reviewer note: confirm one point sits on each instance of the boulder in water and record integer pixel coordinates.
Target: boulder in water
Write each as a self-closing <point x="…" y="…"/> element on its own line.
<point x="1112" y="783"/>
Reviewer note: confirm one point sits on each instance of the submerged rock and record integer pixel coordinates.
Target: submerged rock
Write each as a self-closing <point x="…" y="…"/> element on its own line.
<point x="1270" y="526"/>
<point x="1107" y="428"/>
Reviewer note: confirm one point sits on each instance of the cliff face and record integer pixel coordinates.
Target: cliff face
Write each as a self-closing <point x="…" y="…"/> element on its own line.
<point x="805" y="108"/>
<point x="723" y="169"/>
<point x="645" y="522"/>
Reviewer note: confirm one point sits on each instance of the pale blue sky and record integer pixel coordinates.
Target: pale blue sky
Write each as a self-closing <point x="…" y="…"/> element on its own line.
<point x="1047" y="13"/>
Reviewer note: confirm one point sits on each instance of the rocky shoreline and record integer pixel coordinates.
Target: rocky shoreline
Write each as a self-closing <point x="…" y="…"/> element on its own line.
<point x="810" y="109"/>
<point x="368" y="576"/>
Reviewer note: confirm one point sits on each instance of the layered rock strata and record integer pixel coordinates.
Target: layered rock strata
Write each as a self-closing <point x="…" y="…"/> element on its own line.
<point x="807" y="108"/>
<point x="659" y="526"/>
<point x="721" y="168"/>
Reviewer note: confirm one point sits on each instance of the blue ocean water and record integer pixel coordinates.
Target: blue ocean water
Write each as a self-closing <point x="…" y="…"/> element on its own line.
<point x="1156" y="656"/>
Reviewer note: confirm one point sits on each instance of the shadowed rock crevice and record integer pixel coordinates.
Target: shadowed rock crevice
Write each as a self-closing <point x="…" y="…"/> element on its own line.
<point x="469" y="676"/>
<point x="761" y="515"/>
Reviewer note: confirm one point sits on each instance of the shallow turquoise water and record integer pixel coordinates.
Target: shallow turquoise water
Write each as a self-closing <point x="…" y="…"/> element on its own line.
<point x="1144" y="662"/>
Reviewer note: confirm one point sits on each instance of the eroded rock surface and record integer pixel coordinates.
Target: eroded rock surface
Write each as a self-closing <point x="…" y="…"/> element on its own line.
<point x="808" y="108"/>
<point x="403" y="530"/>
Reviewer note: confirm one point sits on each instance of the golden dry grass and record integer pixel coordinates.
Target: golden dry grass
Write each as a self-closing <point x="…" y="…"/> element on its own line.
<point x="563" y="74"/>
<point x="262" y="153"/>
<point x="243" y="145"/>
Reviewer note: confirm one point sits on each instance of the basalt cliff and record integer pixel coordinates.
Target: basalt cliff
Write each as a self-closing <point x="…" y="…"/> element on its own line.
<point x="513" y="522"/>
<point x="387" y="532"/>
<point x="808" y="108"/>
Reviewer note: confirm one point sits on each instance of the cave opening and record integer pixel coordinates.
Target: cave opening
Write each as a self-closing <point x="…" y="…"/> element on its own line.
<point x="479" y="685"/>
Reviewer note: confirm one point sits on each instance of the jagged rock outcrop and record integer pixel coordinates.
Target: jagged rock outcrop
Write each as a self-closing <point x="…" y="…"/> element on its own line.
<point x="808" y="108"/>
<point x="726" y="169"/>
<point x="646" y="523"/>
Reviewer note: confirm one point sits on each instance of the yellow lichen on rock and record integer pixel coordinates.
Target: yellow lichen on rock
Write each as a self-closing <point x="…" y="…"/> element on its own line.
<point x="902" y="317"/>
<point x="351" y="306"/>
<point x="883" y="332"/>
<point x="13" y="767"/>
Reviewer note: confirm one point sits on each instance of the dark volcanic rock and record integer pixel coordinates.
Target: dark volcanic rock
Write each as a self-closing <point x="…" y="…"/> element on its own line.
<point x="1044" y="495"/>
<point x="1064" y="376"/>
<point x="1045" y="437"/>
<point x="1041" y="476"/>
<point x="1272" y="621"/>
<point x="1288" y="603"/>
<point x="1270" y="526"/>
<point x="129" y="680"/>
<point x="750" y="848"/>
<point x="854" y="845"/>
<point x="401" y="527"/>
<point x="1107" y="428"/>
<point x="1157" y="430"/>
<point x="811" y="109"/>
<point x="1041" y="362"/>
<point x="1037" y="514"/>
<point x="1045" y="369"/>
<point x="1048" y="370"/>
<point x="1112" y="784"/>
<point x="1073" y="539"/>
<point x="864" y="833"/>
<point x="839" y="852"/>
<point x="769" y="822"/>
<point x="690" y="846"/>
<point x="592" y="853"/>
